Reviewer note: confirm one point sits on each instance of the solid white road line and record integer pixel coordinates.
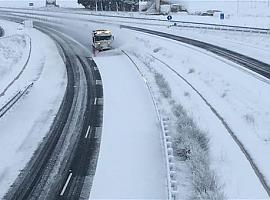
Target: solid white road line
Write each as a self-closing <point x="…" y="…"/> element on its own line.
<point x="87" y="132"/>
<point x="66" y="184"/>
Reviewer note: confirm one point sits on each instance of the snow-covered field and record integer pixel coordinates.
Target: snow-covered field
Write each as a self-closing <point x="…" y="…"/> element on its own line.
<point x="28" y="121"/>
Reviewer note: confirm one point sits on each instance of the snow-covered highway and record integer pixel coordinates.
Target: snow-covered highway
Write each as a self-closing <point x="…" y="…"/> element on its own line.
<point x="131" y="155"/>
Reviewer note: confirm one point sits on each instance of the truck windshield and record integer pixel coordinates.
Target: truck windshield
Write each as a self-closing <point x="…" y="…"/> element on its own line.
<point x="98" y="38"/>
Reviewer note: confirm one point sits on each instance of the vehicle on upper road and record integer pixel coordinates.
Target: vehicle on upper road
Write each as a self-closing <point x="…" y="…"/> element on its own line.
<point x="211" y="13"/>
<point x="102" y="39"/>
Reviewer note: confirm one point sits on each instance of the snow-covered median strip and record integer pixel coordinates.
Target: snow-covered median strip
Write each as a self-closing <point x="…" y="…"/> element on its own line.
<point x="28" y="121"/>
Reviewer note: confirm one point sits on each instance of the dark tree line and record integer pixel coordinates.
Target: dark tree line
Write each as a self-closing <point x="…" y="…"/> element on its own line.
<point x="111" y="5"/>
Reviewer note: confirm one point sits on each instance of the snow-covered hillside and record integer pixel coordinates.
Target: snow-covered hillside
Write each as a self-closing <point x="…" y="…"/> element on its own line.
<point x="14" y="51"/>
<point x="29" y="119"/>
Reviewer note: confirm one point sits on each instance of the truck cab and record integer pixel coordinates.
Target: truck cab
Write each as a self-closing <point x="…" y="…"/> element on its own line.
<point x="102" y="39"/>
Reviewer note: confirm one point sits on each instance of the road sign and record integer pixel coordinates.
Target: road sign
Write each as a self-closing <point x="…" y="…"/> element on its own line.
<point x="221" y="16"/>
<point x="169" y="17"/>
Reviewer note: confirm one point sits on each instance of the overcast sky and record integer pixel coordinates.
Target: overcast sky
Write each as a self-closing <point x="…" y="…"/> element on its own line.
<point x="37" y="3"/>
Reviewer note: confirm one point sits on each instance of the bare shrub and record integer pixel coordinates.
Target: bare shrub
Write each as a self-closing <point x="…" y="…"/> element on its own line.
<point x="224" y="94"/>
<point x="163" y="85"/>
<point x="204" y="183"/>
<point x="157" y="49"/>
<point x="186" y="94"/>
<point x="172" y="101"/>
<point x="266" y="139"/>
<point x="191" y="70"/>
<point x="249" y="118"/>
<point x="190" y="144"/>
<point x="178" y="111"/>
<point x="190" y="138"/>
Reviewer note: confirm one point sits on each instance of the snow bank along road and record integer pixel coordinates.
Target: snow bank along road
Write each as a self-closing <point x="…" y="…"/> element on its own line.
<point x="60" y="165"/>
<point x="26" y="118"/>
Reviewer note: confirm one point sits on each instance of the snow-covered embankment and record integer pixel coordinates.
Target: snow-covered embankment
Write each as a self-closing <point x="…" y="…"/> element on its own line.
<point x="27" y="56"/>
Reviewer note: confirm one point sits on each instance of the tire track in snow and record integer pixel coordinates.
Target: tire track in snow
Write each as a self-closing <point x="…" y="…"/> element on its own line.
<point x="13" y="100"/>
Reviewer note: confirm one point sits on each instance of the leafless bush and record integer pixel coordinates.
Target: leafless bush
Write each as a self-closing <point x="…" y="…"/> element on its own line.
<point x="157" y="49"/>
<point x="186" y="126"/>
<point x="186" y="94"/>
<point x="224" y="94"/>
<point x="191" y="70"/>
<point x="163" y="85"/>
<point x="190" y="144"/>
<point x="203" y="180"/>
<point x="249" y="118"/>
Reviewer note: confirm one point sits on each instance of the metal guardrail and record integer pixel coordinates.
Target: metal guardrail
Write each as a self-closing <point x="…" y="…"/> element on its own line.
<point x="13" y="100"/>
<point x="166" y="140"/>
<point x="220" y="27"/>
<point x="19" y="94"/>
